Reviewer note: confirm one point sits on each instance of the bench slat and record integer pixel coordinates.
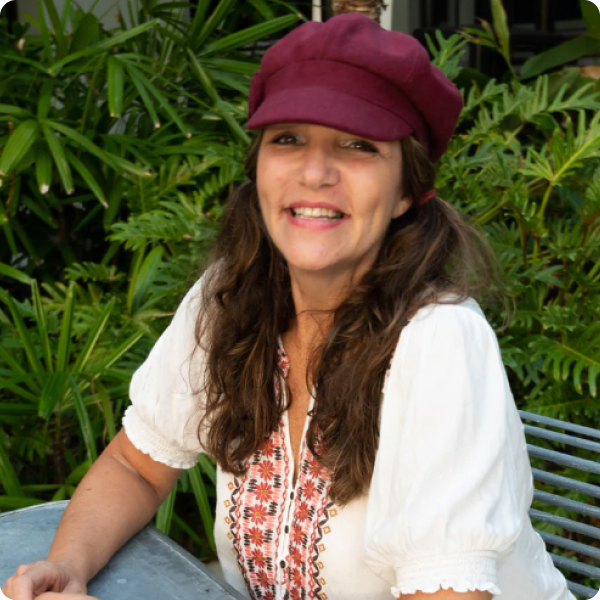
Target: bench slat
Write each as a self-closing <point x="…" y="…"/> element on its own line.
<point x="565" y="482"/>
<point x="561" y="424"/>
<point x="565" y="523"/>
<point x="580" y="507"/>
<point x="564" y="459"/>
<point x="575" y="566"/>
<point x="581" y="590"/>
<point x="562" y="438"/>
<point x="561" y="542"/>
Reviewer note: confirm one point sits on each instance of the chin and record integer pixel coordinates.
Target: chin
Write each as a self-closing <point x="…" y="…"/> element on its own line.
<point x="314" y="264"/>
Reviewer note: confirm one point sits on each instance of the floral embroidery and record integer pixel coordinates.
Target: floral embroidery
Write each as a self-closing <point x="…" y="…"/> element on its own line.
<point x="256" y="515"/>
<point x="311" y="513"/>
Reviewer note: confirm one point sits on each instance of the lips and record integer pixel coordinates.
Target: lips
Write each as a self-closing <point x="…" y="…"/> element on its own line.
<point x="309" y="204"/>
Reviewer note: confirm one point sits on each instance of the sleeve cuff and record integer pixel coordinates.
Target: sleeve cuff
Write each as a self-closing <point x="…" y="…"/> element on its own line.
<point x="461" y="572"/>
<point x="145" y="439"/>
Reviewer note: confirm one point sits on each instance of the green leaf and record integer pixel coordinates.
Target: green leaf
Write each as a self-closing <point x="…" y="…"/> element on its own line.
<point x="59" y="34"/>
<point x="263" y="8"/>
<point x="86" y="34"/>
<point x="208" y="468"/>
<point x="84" y="422"/>
<point x="43" y="167"/>
<point x="64" y="341"/>
<point x="199" y="490"/>
<point x="60" y="160"/>
<point x="8" y="477"/>
<point x="501" y="28"/>
<point x="93" y="337"/>
<point x="17" y="410"/>
<point x="43" y="27"/>
<point x="591" y="16"/>
<point x="145" y="277"/>
<point x="87" y="177"/>
<point x="25" y="61"/>
<point x="40" y="317"/>
<point x="106" y="44"/>
<point x="212" y="23"/>
<point x="164" y="515"/>
<point x="25" y="339"/>
<point x="111" y="160"/>
<point x="121" y="351"/>
<point x="198" y="22"/>
<point x="20" y="392"/>
<point x="18" y="145"/>
<point x="17" y="502"/>
<point x="8" y="271"/>
<point x="116" y="85"/>
<point x="160" y="97"/>
<point x="139" y="84"/>
<point x="79" y="473"/>
<point x="204" y="79"/>
<point x="52" y="393"/>
<point x="45" y="98"/>
<point x="570" y="51"/>
<point x="225" y="111"/>
<point x="249" y="35"/>
<point x="231" y="66"/>
<point x="15" y="111"/>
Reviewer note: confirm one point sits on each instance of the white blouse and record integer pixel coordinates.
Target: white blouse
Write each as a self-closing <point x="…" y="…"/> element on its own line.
<point x="448" y="502"/>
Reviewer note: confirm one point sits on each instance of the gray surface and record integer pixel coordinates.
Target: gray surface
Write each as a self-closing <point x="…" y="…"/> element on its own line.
<point x="150" y="566"/>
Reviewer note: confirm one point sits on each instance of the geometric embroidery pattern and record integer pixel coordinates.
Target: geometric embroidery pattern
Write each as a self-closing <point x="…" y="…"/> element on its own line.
<point x="256" y="518"/>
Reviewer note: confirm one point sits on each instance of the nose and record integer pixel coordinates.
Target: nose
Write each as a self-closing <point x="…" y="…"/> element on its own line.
<point x="318" y="167"/>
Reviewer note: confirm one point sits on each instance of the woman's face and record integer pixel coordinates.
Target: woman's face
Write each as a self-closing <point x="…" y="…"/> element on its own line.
<point x="327" y="197"/>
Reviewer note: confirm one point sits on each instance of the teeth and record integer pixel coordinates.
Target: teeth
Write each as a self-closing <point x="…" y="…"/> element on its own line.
<point x="316" y="213"/>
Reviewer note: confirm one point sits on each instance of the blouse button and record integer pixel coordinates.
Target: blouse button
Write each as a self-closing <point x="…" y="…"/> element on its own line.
<point x="291" y="495"/>
<point x="282" y="564"/>
<point x="287" y="529"/>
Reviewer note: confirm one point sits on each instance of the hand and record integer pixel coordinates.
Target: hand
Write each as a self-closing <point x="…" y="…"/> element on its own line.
<point x="58" y="582"/>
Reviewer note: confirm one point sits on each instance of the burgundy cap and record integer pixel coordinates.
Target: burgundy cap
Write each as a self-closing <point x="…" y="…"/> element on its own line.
<point x="351" y="74"/>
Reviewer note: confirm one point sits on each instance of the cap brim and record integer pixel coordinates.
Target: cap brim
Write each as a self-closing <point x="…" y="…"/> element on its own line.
<point x="330" y="108"/>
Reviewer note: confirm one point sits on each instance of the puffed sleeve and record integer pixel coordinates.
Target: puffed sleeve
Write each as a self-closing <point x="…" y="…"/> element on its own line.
<point x="444" y="505"/>
<point x="165" y="391"/>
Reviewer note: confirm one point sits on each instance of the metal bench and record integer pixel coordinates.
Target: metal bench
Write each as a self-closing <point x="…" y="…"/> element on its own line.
<point x="149" y="567"/>
<point x="574" y="493"/>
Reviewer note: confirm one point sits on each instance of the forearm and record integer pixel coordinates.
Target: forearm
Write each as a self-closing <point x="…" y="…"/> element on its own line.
<point x="111" y="504"/>
<point x="449" y="594"/>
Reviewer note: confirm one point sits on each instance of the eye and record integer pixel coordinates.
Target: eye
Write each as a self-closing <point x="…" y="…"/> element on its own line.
<point x="362" y="145"/>
<point x="284" y="139"/>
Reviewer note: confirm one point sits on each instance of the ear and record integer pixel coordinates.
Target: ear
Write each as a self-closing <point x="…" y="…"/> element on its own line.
<point x="402" y="205"/>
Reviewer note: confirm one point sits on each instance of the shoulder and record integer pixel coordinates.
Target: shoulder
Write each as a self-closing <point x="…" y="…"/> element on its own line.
<point x="443" y="328"/>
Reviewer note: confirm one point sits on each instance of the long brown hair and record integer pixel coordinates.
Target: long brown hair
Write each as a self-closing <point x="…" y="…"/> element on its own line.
<point x="428" y="251"/>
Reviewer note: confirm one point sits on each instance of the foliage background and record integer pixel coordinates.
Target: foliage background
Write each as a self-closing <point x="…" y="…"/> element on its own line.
<point x="118" y="150"/>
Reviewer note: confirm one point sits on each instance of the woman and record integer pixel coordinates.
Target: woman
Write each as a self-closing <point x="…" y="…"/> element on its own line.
<point x="332" y="359"/>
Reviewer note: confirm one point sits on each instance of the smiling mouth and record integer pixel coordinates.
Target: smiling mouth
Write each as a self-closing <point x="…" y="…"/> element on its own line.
<point x="324" y="214"/>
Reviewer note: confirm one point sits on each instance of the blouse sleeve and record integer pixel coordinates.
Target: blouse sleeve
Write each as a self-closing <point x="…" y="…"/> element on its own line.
<point x="444" y="505"/>
<point x="166" y="401"/>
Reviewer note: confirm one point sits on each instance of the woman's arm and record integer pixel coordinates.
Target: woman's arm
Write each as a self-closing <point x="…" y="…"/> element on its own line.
<point x="116" y="499"/>
<point x="118" y="496"/>
<point x="449" y="595"/>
